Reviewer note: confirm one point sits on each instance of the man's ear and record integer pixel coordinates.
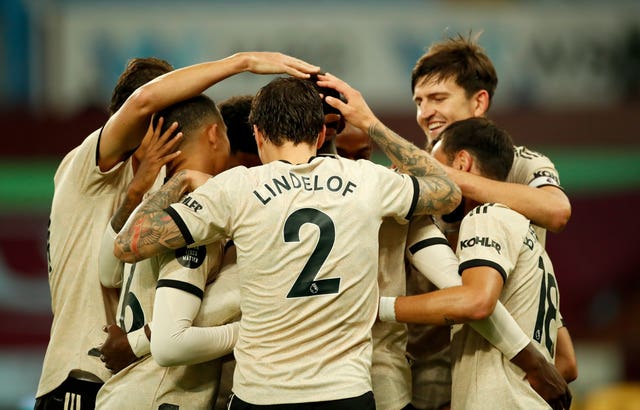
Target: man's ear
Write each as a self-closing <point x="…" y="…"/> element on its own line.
<point x="257" y="135"/>
<point x="321" y="137"/>
<point x="212" y="134"/>
<point x="481" y="102"/>
<point x="463" y="161"/>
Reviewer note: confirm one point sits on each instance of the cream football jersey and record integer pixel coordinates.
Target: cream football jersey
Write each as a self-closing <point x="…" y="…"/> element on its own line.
<point x="144" y="383"/>
<point x="307" y="244"/>
<point x="84" y="200"/>
<point x="390" y="372"/>
<point x="495" y="236"/>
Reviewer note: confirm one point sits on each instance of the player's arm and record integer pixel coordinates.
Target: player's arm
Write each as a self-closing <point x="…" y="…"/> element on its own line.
<point x="546" y="206"/>
<point x="151" y="230"/>
<point x="430" y="254"/>
<point x="475" y="299"/>
<point x="125" y="129"/>
<point x="175" y="341"/>
<point x="565" y="355"/>
<point x="438" y="193"/>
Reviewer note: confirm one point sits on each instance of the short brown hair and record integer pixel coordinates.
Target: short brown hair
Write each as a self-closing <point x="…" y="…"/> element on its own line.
<point x="288" y="109"/>
<point x="492" y="147"/>
<point x="461" y="59"/>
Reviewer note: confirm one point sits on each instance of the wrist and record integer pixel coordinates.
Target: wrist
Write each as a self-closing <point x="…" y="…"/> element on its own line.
<point x="239" y="61"/>
<point x="134" y="196"/>
<point x="528" y="359"/>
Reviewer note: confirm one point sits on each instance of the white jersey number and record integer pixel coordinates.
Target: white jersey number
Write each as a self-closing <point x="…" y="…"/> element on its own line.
<point x="306" y="285"/>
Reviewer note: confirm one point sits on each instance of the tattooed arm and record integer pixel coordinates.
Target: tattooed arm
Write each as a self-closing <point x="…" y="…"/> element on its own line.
<point x="151" y="230"/>
<point x="438" y="193"/>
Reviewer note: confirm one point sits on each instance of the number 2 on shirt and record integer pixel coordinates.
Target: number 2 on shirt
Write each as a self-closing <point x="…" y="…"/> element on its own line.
<point x="306" y="285"/>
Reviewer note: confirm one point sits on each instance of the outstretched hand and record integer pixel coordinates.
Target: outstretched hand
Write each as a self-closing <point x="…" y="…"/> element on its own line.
<point x="115" y="352"/>
<point x="355" y="110"/>
<point x="263" y="62"/>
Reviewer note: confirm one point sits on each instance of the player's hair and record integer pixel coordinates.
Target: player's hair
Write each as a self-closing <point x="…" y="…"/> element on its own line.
<point x="138" y="72"/>
<point x="288" y="109"/>
<point x="190" y="115"/>
<point x="235" y="113"/>
<point x="460" y="59"/>
<point x="492" y="147"/>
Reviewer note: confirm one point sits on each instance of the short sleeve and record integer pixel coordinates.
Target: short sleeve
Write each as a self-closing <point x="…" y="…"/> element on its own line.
<point x="491" y="235"/>
<point x="533" y="169"/>
<point x="205" y="215"/>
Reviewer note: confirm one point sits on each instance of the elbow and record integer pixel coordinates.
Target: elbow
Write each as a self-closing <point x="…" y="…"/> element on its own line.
<point x="142" y="101"/>
<point x="164" y="353"/>
<point x="560" y="218"/>
<point x="480" y="308"/>
<point x="569" y="370"/>
<point x="570" y="374"/>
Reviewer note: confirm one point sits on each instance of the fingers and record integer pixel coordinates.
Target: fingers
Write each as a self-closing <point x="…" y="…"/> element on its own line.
<point x="156" y="130"/>
<point x="300" y="68"/>
<point x="331" y="81"/>
<point x="170" y="157"/>
<point x="169" y="131"/>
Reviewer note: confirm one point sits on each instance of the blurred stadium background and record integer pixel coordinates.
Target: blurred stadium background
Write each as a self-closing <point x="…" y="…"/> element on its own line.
<point x="569" y="86"/>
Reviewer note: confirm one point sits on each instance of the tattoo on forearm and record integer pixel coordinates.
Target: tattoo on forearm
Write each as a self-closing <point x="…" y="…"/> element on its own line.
<point x="153" y="231"/>
<point x="439" y="194"/>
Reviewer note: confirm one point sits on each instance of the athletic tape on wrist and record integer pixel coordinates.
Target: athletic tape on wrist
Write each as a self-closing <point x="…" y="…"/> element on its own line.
<point x="387" y="309"/>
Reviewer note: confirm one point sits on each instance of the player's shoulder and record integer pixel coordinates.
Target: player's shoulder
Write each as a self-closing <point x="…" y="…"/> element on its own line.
<point x="495" y="220"/>
<point x="496" y="211"/>
<point x="522" y="152"/>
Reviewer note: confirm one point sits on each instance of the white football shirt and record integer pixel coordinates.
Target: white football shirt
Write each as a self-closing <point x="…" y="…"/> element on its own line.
<point x="307" y="244"/>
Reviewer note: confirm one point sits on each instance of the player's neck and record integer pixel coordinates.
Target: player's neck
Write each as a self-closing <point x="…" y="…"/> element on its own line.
<point x="190" y="161"/>
<point x="295" y="154"/>
<point x="329" y="147"/>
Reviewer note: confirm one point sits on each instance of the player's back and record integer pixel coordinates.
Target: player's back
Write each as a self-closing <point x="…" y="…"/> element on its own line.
<point x="306" y="237"/>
